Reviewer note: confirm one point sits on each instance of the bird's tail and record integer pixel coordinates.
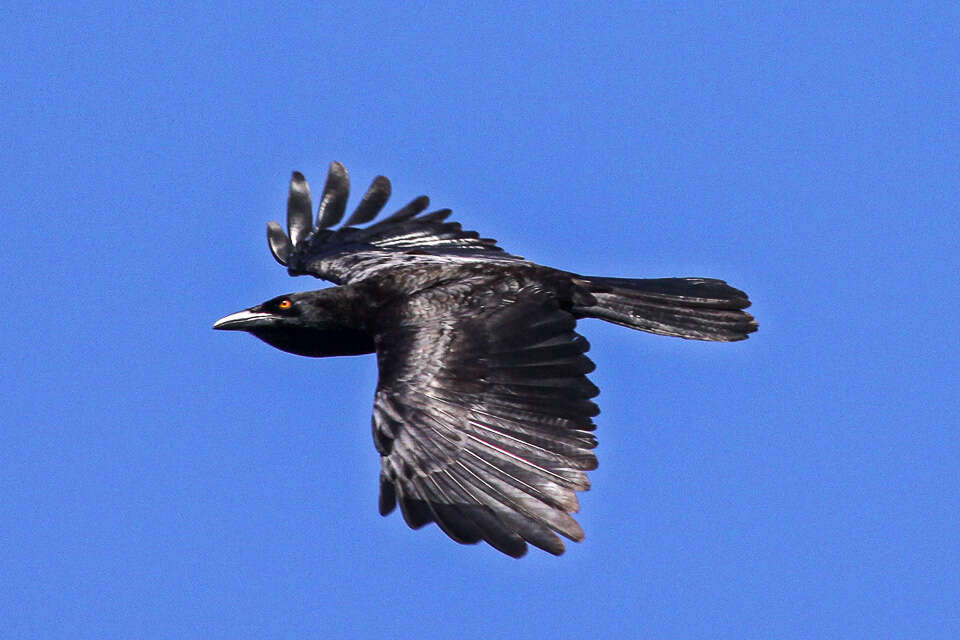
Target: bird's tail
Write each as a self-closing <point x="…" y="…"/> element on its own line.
<point x="694" y="308"/>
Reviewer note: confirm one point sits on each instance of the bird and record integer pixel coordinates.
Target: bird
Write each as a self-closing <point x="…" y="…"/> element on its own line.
<point x="483" y="412"/>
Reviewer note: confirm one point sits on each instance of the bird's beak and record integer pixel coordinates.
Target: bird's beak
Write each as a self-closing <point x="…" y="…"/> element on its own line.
<point x="241" y="320"/>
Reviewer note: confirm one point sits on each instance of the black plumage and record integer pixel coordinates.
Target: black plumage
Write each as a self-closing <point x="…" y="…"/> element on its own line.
<point x="483" y="410"/>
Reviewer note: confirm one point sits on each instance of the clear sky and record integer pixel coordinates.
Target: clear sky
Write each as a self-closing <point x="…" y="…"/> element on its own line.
<point x="162" y="480"/>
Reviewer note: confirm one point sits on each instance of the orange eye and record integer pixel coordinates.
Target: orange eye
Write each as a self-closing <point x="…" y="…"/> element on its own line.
<point x="285" y="304"/>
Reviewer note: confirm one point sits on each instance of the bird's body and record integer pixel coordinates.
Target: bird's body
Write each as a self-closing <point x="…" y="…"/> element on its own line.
<point x="483" y="411"/>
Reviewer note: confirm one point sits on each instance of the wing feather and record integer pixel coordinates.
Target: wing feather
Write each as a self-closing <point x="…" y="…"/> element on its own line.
<point x="482" y="415"/>
<point x="299" y="209"/>
<point x="409" y="210"/>
<point x="333" y="203"/>
<point x="349" y="253"/>
<point x="371" y="203"/>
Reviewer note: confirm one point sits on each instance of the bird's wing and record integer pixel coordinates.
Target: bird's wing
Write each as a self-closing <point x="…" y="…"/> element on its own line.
<point x="350" y="254"/>
<point x="483" y="415"/>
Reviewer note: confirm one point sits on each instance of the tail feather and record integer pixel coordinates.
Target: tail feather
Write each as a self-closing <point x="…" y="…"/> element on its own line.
<point x="693" y="308"/>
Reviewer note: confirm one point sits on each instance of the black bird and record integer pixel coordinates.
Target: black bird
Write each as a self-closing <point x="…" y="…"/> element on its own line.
<point x="483" y="412"/>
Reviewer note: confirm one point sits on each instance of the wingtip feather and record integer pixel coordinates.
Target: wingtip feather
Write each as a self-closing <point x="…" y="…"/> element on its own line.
<point x="372" y="202"/>
<point x="280" y="245"/>
<point x="299" y="208"/>
<point x="336" y="190"/>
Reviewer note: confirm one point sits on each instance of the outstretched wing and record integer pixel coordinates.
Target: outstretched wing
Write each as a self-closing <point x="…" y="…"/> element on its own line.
<point x="350" y="254"/>
<point x="483" y="415"/>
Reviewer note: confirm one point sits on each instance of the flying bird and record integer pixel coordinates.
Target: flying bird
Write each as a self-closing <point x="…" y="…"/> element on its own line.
<point x="482" y="415"/>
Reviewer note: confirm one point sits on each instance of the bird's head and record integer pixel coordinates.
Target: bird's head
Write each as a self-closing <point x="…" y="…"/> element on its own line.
<point x="313" y="323"/>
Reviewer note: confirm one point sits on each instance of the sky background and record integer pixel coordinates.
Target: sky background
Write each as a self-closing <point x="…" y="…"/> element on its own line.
<point x="162" y="480"/>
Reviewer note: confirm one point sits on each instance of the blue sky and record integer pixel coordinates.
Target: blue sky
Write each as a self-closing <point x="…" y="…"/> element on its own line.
<point x="162" y="480"/>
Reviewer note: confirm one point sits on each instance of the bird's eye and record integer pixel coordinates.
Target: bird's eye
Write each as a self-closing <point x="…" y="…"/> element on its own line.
<point x="285" y="304"/>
